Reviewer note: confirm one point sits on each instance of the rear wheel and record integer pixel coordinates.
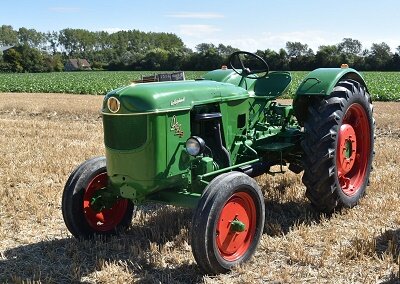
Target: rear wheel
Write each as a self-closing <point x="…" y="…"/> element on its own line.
<point x="228" y="222"/>
<point x="80" y="216"/>
<point x="338" y="147"/>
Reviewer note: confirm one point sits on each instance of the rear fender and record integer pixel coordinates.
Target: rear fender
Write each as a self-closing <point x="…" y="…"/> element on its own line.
<point x="321" y="82"/>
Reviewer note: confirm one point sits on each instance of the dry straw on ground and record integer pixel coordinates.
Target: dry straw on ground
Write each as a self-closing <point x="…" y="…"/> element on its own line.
<point x="43" y="137"/>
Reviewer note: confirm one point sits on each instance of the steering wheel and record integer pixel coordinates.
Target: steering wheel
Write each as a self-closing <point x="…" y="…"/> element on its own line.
<point x="238" y="56"/>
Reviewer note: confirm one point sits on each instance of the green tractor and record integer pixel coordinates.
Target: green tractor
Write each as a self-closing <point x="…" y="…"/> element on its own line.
<point x="199" y="143"/>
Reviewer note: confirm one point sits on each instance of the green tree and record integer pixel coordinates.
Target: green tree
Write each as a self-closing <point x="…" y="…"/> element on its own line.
<point x="77" y="41"/>
<point x="155" y="59"/>
<point x="396" y="60"/>
<point x="207" y="57"/>
<point x="8" y="36"/>
<point x="380" y="56"/>
<point x="275" y="60"/>
<point x="327" y="56"/>
<point x="297" y="49"/>
<point x="165" y="41"/>
<point x="283" y="60"/>
<point x="177" y="58"/>
<point x="102" y="40"/>
<point x="32" y="59"/>
<point x="350" y="46"/>
<point x="24" y="58"/>
<point x="13" y="60"/>
<point x="226" y="50"/>
<point x="132" y="59"/>
<point x="31" y="37"/>
<point x="51" y="39"/>
<point x="301" y="56"/>
<point x="53" y="63"/>
<point x="204" y="48"/>
<point x="350" y="50"/>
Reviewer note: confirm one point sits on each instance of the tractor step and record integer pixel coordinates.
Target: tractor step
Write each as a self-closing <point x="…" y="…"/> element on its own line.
<point x="275" y="147"/>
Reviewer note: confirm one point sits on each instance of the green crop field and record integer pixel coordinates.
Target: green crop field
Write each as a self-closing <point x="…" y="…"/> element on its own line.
<point x="384" y="86"/>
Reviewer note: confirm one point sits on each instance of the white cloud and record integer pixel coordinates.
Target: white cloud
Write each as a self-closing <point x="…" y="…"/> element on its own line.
<point x="313" y="39"/>
<point x="275" y="41"/>
<point x="270" y="40"/>
<point x="392" y="42"/>
<point x="197" y="30"/>
<point x="65" y="9"/>
<point x="195" y="15"/>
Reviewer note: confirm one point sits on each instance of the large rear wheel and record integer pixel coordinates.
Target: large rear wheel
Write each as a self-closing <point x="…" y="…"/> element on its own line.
<point x="80" y="215"/>
<point x="338" y="147"/>
<point x="228" y="222"/>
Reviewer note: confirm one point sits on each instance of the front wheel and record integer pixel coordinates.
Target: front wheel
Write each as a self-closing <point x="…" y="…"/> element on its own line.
<point x="338" y="147"/>
<point x="81" y="190"/>
<point x="228" y="222"/>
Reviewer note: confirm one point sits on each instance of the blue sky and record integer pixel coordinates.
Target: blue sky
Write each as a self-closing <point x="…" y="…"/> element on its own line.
<point x="248" y="25"/>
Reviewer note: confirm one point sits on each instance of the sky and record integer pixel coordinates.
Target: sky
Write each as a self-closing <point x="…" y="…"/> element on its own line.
<point x="247" y="25"/>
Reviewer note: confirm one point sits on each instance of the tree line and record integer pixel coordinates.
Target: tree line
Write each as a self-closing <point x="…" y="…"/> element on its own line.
<point x="35" y="51"/>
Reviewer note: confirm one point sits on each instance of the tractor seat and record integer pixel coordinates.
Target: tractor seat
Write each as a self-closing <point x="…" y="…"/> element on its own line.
<point x="274" y="85"/>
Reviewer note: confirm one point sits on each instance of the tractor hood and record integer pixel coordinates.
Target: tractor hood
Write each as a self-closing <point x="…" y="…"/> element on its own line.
<point x="169" y="96"/>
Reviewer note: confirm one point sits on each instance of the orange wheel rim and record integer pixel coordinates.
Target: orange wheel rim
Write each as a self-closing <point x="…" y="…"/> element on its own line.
<point x="232" y="244"/>
<point x="107" y="219"/>
<point x="353" y="149"/>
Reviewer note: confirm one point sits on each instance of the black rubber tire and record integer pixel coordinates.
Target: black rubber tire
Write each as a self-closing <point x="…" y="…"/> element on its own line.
<point x="72" y="200"/>
<point x="206" y="216"/>
<point x="324" y="119"/>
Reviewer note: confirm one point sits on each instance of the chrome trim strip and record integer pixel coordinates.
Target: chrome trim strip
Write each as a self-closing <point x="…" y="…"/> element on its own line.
<point x="150" y="112"/>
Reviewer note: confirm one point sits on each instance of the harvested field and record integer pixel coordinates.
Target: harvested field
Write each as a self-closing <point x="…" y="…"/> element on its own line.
<point x="44" y="136"/>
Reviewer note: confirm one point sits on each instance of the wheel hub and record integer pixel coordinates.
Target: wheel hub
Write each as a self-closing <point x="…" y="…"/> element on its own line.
<point x="347" y="149"/>
<point x="235" y="228"/>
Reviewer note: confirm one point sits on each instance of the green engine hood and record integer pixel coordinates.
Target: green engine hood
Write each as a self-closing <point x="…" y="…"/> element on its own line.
<point x="172" y="96"/>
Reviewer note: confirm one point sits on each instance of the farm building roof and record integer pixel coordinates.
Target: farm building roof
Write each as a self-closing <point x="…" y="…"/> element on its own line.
<point x="4" y="48"/>
<point x="77" y="64"/>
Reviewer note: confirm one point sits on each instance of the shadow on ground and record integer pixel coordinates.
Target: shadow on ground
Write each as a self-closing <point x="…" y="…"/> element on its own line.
<point x="70" y="260"/>
<point x="280" y="217"/>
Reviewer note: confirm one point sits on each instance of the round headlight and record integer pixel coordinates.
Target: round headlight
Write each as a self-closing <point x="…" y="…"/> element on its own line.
<point x="195" y="145"/>
<point x="113" y="104"/>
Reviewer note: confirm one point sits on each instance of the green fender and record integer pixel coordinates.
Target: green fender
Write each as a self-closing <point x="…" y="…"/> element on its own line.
<point x="321" y="82"/>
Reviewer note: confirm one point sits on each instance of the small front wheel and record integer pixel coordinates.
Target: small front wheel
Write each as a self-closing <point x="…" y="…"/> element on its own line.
<point x="228" y="222"/>
<point x="81" y="190"/>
